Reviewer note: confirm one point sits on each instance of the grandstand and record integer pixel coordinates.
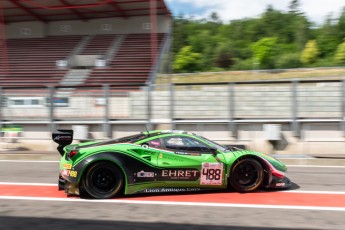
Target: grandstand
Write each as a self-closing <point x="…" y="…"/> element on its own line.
<point x="32" y="61"/>
<point x="132" y="62"/>
<point x="59" y="43"/>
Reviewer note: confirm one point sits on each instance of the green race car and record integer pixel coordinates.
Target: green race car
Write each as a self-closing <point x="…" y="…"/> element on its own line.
<point x="161" y="161"/>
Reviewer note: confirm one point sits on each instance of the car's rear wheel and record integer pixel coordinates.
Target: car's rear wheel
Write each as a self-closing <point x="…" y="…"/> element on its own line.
<point x="247" y="175"/>
<point x="102" y="180"/>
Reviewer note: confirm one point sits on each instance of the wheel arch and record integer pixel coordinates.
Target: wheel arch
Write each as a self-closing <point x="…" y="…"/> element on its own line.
<point x="267" y="171"/>
<point x="88" y="162"/>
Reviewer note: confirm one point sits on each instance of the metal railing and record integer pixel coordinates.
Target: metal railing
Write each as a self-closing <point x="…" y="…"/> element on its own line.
<point x="293" y="102"/>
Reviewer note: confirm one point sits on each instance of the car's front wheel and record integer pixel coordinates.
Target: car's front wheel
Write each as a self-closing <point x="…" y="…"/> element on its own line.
<point x="247" y="175"/>
<point x="102" y="180"/>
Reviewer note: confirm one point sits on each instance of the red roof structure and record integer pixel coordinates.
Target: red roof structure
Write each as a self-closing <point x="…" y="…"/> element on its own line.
<point x="57" y="10"/>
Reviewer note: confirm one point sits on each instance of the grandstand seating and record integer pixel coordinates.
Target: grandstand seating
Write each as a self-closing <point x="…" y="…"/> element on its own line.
<point x="98" y="44"/>
<point x="32" y="62"/>
<point x="131" y="64"/>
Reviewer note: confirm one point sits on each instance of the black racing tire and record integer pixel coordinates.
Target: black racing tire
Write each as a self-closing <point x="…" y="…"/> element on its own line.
<point x="247" y="175"/>
<point x="61" y="183"/>
<point x="102" y="180"/>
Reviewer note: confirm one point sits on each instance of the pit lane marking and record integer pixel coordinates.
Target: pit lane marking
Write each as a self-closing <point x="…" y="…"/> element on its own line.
<point x="27" y="161"/>
<point x="27" y="184"/>
<point x="204" y="204"/>
<point x="316" y="166"/>
<point x="315" y="192"/>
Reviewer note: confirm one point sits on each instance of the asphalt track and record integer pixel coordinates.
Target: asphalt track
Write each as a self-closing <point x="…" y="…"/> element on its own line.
<point x="29" y="200"/>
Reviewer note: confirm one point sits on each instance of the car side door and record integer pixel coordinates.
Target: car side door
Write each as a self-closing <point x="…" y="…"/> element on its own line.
<point x="150" y="150"/>
<point x="187" y="160"/>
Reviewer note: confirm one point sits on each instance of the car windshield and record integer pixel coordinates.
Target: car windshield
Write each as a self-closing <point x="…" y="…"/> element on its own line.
<point x="214" y="144"/>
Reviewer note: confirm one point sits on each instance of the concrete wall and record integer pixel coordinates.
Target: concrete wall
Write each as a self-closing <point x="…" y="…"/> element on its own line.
<point x="249" y="102"/>
<point x="80" y="107"/>
<point x="26" y="30"/>
<point x="317" y="138"/>
<point x="208" y="103"/>
<point x="205" y="103"/>
<point x="96" y="26"/>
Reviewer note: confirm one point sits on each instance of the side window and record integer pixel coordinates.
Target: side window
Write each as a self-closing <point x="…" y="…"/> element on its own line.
<point x="173" y="142"/>
<point x="185" y="144"/>
<point x="156" y="143"/>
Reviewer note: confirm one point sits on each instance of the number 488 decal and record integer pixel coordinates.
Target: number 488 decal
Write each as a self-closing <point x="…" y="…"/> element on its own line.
<point x="211" y="174"/>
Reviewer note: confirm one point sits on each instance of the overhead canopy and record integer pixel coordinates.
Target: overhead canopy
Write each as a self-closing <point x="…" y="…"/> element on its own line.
<point x="57" y="10"/>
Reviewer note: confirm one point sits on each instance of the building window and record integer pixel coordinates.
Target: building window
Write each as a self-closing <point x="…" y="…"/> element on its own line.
<point x="25" y="102"/>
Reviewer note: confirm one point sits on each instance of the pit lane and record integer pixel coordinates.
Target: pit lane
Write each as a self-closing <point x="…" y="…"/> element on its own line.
<point x="317" y="201"/>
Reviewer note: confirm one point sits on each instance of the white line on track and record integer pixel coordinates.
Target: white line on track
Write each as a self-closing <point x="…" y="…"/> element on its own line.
<point x="296" y="158"/>
<point x="315" y="192"/>
<point x="312" y="208"/>
<point x="316" y="166"/>
<point x="27" y="184"/>
<point x="27" y="161"/>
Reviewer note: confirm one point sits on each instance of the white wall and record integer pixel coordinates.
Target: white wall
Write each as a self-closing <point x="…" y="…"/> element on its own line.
<point x="26" y="30"/>
<point x="107" y="26"/>
<point x="96" y="26"/>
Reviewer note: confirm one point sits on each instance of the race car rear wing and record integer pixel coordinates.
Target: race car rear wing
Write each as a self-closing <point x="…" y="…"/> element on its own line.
<point x="63" y="137"/>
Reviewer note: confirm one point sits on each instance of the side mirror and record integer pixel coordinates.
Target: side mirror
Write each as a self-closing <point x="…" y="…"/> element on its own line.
<point x="214" y="151"/>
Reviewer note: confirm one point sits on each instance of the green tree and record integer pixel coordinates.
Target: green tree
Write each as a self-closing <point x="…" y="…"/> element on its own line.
<point x="241" y="33"/>
<point x="214" y="17"/>
<point x="298" y="26"/>
<point x="187" y="61"/>
<point x="294" y="7"/>
<point x="201" y="40"/>
<point x="341" y="26"/>
<point x="180" y="32"/>
<point x="327" y="38"/>
<point x="276" y="39"/>
<point x="301" y="31"/>
<point x="340" y="54"/>
<point x="273" y="24"/>
<point x="265" y="51"/>
<point x="224" y="57"/>
<point x="310" y="52"/>
<point x="289" y="60"/>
